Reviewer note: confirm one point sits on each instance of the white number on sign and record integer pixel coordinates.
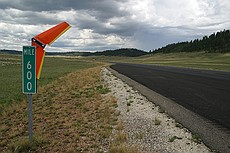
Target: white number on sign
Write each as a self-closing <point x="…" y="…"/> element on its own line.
<point x="29" y="86"/>
<point x="29" y="76"/>
<point x="28" y="65"/>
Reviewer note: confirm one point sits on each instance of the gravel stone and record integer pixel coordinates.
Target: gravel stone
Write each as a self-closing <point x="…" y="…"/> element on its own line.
<point x="145" y="124"/>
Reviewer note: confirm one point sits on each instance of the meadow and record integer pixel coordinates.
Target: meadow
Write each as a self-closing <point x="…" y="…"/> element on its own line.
<point x="198" y="60"/>
<point x="55" y="67"/>
<point x="73" y="111"/>
<point x="11" y="74"/>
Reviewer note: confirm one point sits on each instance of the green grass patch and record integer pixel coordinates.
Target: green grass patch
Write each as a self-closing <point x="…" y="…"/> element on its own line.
<point x="65" y="122"/>
<point x="54" y="68"/>
<point x="102" y="90"/>
<point x="11" y="74"/>
<point x="201" y="60"/>
<point x="24" y="145"/>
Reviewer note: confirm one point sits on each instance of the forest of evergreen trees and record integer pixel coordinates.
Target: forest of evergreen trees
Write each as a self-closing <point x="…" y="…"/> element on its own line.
<point x="215" y="43"/>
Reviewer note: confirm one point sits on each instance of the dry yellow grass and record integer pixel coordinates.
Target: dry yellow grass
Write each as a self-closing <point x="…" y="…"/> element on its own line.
<point x="69" y="115"/>
<point x="123" y="148"/>
<point x="120" y="142"/>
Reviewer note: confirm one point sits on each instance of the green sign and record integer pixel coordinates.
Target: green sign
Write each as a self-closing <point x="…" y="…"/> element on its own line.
<point x="29" y="70"/>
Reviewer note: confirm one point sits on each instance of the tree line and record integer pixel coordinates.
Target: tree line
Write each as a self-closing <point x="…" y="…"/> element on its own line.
<point x="128" y="52"/>
<point x="218" y="42"/>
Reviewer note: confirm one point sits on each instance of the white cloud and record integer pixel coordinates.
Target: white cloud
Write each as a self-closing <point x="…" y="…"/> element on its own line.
<point x="98" y="25"/>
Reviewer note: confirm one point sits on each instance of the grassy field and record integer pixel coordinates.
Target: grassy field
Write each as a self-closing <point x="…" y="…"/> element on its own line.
<point x="10" y="68"/>
<point x="11" y="74"/>
<point x="72" y="112"/>
<point x="201" y="60"/>
<point x="69" y="115"/>
<point x="10" y="78"/>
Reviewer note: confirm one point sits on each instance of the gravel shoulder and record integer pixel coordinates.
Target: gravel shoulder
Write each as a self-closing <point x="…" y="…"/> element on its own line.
<point x="147" y="125"/>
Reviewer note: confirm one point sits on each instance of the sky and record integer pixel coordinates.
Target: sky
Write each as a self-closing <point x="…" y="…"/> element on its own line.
<point x="99" y="25"/>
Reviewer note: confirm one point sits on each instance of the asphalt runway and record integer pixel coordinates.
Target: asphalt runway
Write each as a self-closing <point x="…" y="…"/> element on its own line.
<point x="204" y="92"/>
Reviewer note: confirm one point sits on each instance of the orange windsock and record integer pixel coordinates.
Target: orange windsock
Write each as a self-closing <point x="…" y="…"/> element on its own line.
<point x="44" y="38"/>
<point x="49" y="36"/>
<point x="40" y="54"/>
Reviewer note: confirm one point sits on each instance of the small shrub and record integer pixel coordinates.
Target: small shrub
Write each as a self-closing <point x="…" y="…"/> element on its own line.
<point x="139" y="136"/>
<point x="115" y="105"/>
<point x="157" y="121"/>
<point x="196" y="138"/>
<point x="179" y="125"/>
<point x="105" y="133"/>
<point x="123" y="148"/>
<point x="117" y="113"/>
<point x="161" y="110"/>
<point x="174" y="138"/>
<point x="120" y="126"/>
<point x="121" y="137"/>
<point x="102" y="90"/>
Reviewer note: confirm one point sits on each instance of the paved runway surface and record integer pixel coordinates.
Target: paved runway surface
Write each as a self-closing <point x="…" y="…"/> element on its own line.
<point x="206" y="93"/>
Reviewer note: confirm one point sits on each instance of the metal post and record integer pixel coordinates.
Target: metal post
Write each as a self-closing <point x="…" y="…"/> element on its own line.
<point x="30" y="123"/>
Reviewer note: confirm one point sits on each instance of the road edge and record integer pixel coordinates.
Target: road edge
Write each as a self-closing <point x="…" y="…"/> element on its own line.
<point x="214" y="137"/>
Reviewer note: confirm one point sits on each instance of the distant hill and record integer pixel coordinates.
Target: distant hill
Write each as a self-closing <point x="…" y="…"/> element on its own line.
<point x="5" y="51"/>
<point x="127" y="52"/>
<point x="215" y="43"/>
